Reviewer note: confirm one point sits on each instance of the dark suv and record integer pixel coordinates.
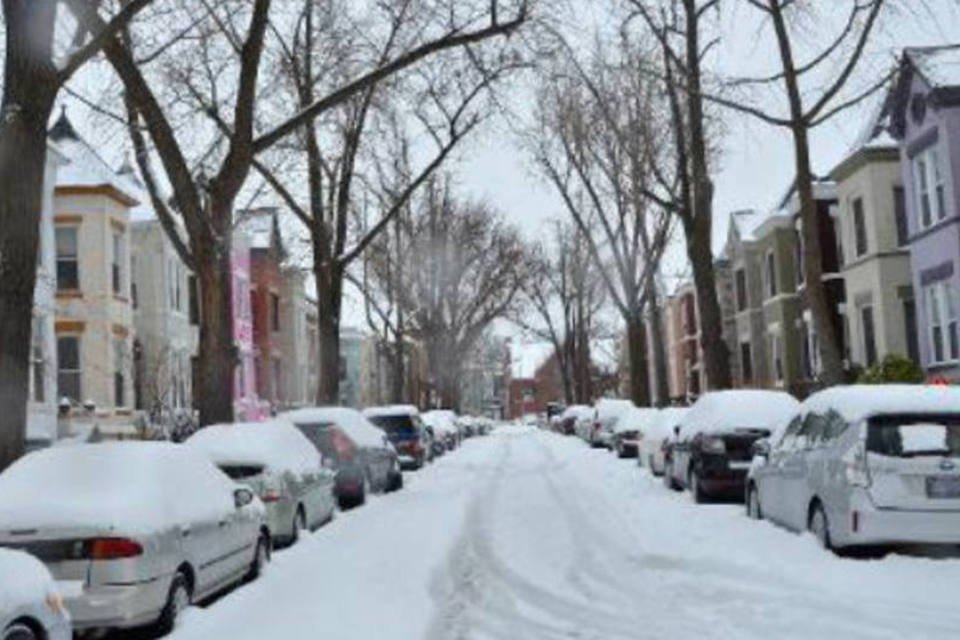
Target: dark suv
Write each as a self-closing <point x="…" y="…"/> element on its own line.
<point x="712" y="449"/>
<point x="406" y="431"/>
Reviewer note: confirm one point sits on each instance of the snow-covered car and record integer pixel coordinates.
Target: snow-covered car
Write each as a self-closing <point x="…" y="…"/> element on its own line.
<point x="628" y="430"/>
<point x="406" y="431"/>
<point x="280" y="465"/>
<point x="606" y="411"/>
<point x="713" y="451"/>
<point x="444" y="425"/>
<point x="656" y="438"/>
<point x="866" y="465"/>
<point x="567" y="421"/>
<point x="359" y="452"/>
<point x="31" y="607"/>
<point x="132" y="531"/>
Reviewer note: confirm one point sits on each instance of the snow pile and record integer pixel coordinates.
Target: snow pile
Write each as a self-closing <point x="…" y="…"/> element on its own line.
<point x="858" y="402"/>
<point x="441" y="421"/>
<point x="31" y="585"/>
<point x="121" y="487"/>
<point x="728" y="411"/>
<point x="635" y="419"/>
<point x="277" y="444"/>
<point x="391" y="410"/>
<point x="350" y="421"/>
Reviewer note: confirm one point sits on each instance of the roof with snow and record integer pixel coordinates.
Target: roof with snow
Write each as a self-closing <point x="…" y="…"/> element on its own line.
<point x="857" y="402"/>
<point x="746" y="221"/>
<point x="525" y="359"/>
<point x="84" y="167"/>
<point x="940" y="66"/>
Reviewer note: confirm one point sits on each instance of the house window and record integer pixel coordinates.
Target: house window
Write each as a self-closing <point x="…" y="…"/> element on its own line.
<point x="37" y="363"/>
<point x="910" y="327"/>
<point x="771" y="275"/>
<point x="274" y="312"/>
<point x="776" y="357"/>
<point x="68" y="267"/>
<point x="119" y="369"/>
<point x="900" y="213"/>
<point x="929" y="187"/>
<point x="134" y="294"/>
<point x="68" y="367"/>
<point x="746" y="362"/>
<point x="116" y="272"/>
<point x="869" y="336"/>
<point x="859" y="227"/>
<point x="799" y="258"/>
<point x="740" y="285"/>
<point x="277" y="373"/>
<point x="194" y="301"/>
<point x="942" y="323"/>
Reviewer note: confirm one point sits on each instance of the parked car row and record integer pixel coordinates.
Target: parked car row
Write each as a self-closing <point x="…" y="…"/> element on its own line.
<point x="128" y="534"/>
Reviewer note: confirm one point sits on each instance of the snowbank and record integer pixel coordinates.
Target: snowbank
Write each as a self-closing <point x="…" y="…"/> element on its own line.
<point x="276" y="444"/>
<point x="727" y="411"/>
<point x="350" y="421"/>
<point x="23" y="581"/>
<point x="858" y="402"/>
<point x="121" y="487"/>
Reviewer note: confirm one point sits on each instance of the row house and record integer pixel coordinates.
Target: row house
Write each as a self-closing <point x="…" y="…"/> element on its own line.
<point x="925" y="121"/>
<point x="376" y="367"/>
<point x="247" y="404"/>
<point x="298" y="340"/>
<point x="94" y="316"/>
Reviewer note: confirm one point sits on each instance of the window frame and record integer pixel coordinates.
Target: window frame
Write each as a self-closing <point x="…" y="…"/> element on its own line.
<point x="861" y="244"/>
<point x="77" y="371"/>
<point x="73" y="258"/>
<point x="870" y="354"/>
<point x="771" y="271"/>
<point x="941" y="316"/>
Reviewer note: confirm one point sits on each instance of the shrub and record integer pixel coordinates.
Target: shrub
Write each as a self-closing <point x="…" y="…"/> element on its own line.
<point x="893" y="368"/>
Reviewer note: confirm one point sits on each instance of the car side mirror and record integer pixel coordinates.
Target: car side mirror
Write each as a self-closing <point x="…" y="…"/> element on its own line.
<point x="242" y="497"/>
<point x="761" y="448"/>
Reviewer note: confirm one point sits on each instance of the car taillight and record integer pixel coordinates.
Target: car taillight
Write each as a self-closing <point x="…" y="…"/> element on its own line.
<point x="270" y="495"/>
<point x="113" y="548"/>
<point x="855" y="467"/>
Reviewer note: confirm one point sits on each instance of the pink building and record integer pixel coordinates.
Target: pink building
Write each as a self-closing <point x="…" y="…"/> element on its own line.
<point x="247" y="406"/>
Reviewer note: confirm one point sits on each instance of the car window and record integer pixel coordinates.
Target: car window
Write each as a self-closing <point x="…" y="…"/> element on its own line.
<point x="835" y="426"/>
<point x="811" y="433"/>
<point x="907" y="436"/>
<point x="790" y="435"/>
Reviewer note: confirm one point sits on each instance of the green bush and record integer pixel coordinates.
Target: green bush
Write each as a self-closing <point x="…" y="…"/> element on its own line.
<point x="892" y="368"/>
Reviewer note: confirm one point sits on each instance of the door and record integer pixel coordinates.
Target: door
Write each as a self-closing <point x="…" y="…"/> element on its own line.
<point x="795" y="469"/>
<point x="769" y="478"/>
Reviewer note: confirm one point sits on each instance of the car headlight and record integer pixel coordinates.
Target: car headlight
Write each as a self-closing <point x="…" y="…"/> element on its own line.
<point x="713" y="445"/>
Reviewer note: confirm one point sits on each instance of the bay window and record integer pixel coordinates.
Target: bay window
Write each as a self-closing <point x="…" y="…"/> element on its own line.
<point x="941" y="327"/>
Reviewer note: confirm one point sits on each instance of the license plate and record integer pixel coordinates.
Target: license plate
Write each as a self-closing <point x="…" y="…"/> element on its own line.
<point x="740" y="464"/>
<point x="943" y="487"/>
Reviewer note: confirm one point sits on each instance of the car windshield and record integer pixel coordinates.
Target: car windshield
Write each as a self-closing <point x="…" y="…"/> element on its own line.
<point x="401" y="427"/>
<point x="906" y="436"/>
<point x="319" y="434"/>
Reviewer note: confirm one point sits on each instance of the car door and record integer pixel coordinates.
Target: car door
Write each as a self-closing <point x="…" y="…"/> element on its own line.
<point x="795" y="471"/>
<point x="769" y="478"/>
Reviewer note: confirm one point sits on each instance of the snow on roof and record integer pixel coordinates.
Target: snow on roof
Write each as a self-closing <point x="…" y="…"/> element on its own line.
<point x="635" y="419"/>
<point x="577" y="411"/>
<point x="277" y="444"/>
<point x="120" y="488"/>
<point x="724" y="411"/>
<point x="857" y="402"/>
<point x="392" y="410"/>
<point x="611" y="408"/>
<point x="83" y="166"/>
<point x="350" y="421"/>
<point x="526" y="358"/>
<point x="747" y="221"/>
<point x="440" y="420"/>
<point x="31" y="586"/>
<point x="939" y="65"/>
<point x="666" y="420"/>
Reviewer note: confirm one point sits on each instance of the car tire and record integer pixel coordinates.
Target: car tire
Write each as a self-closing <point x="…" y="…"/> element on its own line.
<point x="819" y="526"/>
<point x="754" y="511"/>
<point x="669" y="482"/>
<point x="178" y="599"/>
<point x="20" y="631"/>
<point x="696" y="489"/>
<point x="260" y="559"/>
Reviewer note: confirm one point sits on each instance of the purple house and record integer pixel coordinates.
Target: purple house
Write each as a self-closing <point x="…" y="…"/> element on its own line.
<point x="926" y="122"/>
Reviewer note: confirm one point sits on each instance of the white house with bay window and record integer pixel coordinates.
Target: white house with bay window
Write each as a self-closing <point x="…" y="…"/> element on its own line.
<point x="93" y="322"/>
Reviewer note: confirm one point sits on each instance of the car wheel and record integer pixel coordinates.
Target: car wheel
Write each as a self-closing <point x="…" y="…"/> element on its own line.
<point x="696" y="489"/>
<point x="820" y="526"/>
<point x="178" y="599"/>
<point x="754" y="512"/>
<point x="260" y="558"/>
<point x="19" y="631"/>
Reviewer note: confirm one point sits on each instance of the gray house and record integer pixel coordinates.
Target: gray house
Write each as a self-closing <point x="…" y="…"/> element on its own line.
<point x="926" y="122"/>
<point x="749" y="362"/>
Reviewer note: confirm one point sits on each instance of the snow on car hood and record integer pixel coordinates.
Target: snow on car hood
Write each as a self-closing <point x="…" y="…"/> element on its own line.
<point x="276" y="444"/>
<point x="31" y="585"/>
<point x="353" y="423"/>
<point x="729" y="411"/>
<point x="121" y="487"/>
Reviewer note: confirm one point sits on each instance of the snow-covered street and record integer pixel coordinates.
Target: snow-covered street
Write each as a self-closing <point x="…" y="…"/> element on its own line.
<point x="527" y="534"/>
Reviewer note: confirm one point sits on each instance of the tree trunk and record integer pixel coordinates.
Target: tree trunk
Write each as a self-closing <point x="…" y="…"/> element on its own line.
<point x="816" y="292"/>
<point x="659" y="351"/>
<point x="637" y="351"/>
<point x="29" y="91"/>
<point x="329" y="300"/>
<point x="217" y="356"/>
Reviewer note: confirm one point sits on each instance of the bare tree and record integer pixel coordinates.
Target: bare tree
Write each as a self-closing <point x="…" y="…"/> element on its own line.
<point x="229" y="39"/>
<point x="34" y="73"/>
<point x="807" y="108"/>
<point x="599" y="146"/>
<point x="565" y="293"/>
